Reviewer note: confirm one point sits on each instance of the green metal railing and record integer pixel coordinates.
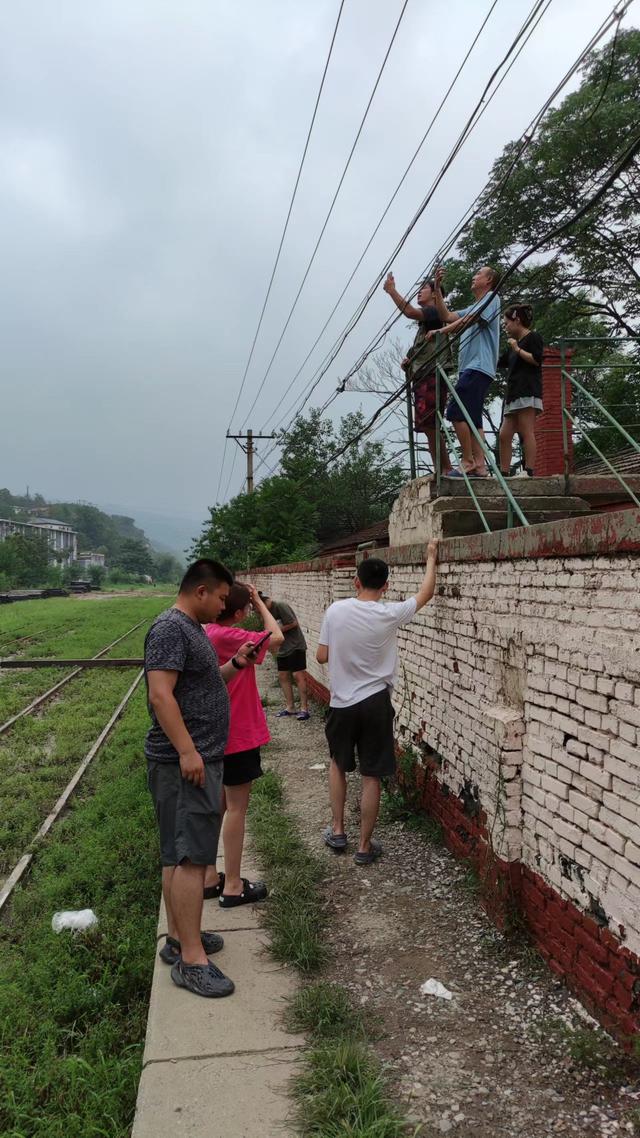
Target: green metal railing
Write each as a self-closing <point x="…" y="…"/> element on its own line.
<point x="513" y="507"/>
<point x="569" y="419"/>
<point x="569" y="381"/>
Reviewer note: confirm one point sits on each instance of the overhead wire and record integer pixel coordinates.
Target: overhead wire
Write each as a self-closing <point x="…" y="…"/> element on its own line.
<point x="525" y="140"/>
<point x="284" y="231"/>
<point x="557" y="230"/>
<point x="330" y="211"/>
<point x="537" y="12"/>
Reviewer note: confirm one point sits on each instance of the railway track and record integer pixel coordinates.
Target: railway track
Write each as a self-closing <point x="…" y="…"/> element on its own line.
<point x="61" y="683"/>
<point x="24" y="862"/>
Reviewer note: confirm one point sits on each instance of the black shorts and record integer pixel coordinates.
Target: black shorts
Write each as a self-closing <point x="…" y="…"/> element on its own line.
<point x="188" y="816"/>
<point x="368" y="727"/>
<point x="471" y="388"/>
<point x="241" y="767"/>
<point x="294" y="662"/>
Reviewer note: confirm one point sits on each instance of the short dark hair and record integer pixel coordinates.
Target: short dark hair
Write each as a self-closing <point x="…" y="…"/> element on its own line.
<point x="204" y="571"/>
<point x="523" y="313"/>
<point x="373" y="573"/>
<point x="238" y="597"/>
<point x="432" y="285"/>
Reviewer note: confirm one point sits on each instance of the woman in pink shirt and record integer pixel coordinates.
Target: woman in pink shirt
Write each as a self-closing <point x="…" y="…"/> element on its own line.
<point x="247" y="732"/>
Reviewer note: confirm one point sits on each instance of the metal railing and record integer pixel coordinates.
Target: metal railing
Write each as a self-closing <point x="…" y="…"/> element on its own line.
<point x="569" y="380"/>
<point x="570" y="424"/>
<point x="513" y="507"/>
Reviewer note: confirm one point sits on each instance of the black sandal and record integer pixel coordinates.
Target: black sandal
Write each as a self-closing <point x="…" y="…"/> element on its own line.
<point x="214" y="890"/>
<point x="170" y="951"/>
<point x="251" y="891"/>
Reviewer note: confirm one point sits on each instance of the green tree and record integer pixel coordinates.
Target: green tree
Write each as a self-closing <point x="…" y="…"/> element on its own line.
<point x="290" y="515"/>
<point x="167" y="568"/>
<point x="587" y="282"/>
<point x="25" y="561"/>
<point x="134" y="557"/>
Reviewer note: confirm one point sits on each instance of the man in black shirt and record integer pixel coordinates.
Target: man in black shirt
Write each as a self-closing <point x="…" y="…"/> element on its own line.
<point x="184" y="748"/>
<point x="419" y="365"/>
<point x="523" y="400"/>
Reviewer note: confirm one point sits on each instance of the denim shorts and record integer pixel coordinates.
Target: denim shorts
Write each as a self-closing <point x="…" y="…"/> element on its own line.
<point x="471" y="388"/>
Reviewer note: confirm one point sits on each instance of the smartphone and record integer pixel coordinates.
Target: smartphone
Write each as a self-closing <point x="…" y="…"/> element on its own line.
<point x="258" y="644"/>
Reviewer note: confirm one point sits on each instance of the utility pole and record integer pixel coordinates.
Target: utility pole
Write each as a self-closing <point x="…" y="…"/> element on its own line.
<point x="249" y="451"/>
<point x="411" y="438"/>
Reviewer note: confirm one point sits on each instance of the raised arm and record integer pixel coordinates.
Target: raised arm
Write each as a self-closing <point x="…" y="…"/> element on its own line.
<point x="445" y="314"/>
<point x="428" y="586"/>
<point x="269" y="621"/>
<point x="405" y="306"/>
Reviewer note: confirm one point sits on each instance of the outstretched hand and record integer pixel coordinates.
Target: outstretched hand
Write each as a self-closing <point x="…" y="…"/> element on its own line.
<point x="390" y="284"/>
<point x="432" y="550"/>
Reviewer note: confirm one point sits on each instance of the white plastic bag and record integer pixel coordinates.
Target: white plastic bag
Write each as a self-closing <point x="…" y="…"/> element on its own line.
<point x="75" y="919"/>
<point x="435" y="988"/>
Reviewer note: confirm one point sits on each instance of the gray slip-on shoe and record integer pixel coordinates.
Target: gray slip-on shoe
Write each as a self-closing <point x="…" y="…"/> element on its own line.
<point x="337" y="842"/>
<point x="202" y="979"/>
<point x="373" y="853"/>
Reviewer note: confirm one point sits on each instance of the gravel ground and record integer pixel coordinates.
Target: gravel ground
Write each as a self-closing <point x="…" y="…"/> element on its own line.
<point x="492" y="1062"/>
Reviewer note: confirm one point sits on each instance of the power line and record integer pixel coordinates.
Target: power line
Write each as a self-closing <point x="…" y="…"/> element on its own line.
<point x="284" y="231"/>
<point x="615" y="16"/>
<point x="538" y="11"/>
<point x="331" y="207"/>
<point x="472" y="211"/>
<point x="386" y="209"/>
<point x="623" y="161"/>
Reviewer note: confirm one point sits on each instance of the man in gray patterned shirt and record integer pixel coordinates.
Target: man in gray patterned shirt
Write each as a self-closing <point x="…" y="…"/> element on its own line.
<point x="189" y="709"/>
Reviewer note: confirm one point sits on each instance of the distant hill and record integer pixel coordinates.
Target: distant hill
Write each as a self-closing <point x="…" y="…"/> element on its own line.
<point x="103" y="531"/>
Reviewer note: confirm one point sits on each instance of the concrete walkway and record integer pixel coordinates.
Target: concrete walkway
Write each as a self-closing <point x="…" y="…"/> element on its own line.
<point x="215" y="1068"/>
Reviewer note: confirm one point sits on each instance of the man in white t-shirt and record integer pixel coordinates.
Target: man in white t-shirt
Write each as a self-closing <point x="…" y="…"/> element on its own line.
<point x="358" y="641"/>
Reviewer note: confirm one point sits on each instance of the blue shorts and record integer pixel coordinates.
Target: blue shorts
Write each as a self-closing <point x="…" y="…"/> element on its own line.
<point x="472" y="387"/>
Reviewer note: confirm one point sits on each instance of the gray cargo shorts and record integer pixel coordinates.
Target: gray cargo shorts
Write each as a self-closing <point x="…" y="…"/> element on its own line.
<point x="188" y="816"/>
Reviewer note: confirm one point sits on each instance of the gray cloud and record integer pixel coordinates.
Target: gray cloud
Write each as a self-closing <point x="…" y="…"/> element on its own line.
<point x="147" y="155"/>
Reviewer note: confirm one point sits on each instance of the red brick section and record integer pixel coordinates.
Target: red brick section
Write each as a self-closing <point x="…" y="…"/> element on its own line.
<point x="550" y="456"/>
<point x="590" y="958"/>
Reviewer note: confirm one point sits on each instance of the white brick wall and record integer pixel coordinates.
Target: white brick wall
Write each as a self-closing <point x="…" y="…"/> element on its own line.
<point x="524" y="675"/>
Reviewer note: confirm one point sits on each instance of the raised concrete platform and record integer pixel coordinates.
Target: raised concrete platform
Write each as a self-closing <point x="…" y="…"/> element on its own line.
<point x="220" y="1068"/>
<point x="420" y="513"/>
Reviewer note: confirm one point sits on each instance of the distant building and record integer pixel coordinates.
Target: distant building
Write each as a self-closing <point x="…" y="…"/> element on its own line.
<point x="90" y="560"/>
<point x="61" y="537"/>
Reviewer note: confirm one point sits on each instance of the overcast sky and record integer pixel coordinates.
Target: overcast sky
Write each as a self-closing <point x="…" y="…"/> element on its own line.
<point x="148" y="151"/>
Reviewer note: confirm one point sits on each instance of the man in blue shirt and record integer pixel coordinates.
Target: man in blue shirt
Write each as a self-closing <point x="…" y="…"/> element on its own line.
<point x="479" y="329"/>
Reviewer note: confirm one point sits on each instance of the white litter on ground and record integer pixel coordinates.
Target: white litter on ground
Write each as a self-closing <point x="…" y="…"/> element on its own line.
<point x="435" y="988"/>
<point x="317" y="767"/>
<point x="75" y="919"/>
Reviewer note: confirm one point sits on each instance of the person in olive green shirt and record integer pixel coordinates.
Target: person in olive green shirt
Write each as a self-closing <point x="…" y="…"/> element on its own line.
<point x="291" y="659"/>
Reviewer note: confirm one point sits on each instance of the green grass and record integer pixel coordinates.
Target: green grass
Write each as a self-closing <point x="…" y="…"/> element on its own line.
<point x="73" y="1008"/>
<point x="295" y="915"/>
<point x="342" y="1092"/>
<point x="64" y="627"/>
<point x="39" y="753"/>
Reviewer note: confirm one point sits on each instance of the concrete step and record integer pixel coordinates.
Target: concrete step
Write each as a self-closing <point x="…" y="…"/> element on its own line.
<point x="464" y="521"/>
<point x="596" y="489"/>
<point x="530" y="504"/>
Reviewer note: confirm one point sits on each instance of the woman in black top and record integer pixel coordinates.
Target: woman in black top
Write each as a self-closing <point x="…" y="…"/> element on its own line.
<point x="523" y="401"/>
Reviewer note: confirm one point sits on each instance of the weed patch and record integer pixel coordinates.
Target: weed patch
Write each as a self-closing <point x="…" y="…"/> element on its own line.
<point x="294" y="916"/>
<point x="342" y="1090"/>
<point x="73" y="1008"/>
